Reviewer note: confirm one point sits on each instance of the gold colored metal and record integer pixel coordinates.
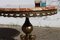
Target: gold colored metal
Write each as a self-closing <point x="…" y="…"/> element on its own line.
<point x="28" y="13"/>
<point x="27" y="28"/>
<point x="28" y="37"/>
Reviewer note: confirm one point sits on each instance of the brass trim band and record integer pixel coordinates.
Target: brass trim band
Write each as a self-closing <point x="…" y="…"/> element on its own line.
<point x="28" y="13"/>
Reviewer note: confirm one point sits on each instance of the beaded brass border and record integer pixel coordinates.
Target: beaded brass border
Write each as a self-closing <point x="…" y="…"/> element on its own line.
<point x="28" y="13"/>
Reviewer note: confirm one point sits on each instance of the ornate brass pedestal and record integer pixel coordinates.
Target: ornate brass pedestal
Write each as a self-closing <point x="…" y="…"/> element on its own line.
<point x="27" y="28"/>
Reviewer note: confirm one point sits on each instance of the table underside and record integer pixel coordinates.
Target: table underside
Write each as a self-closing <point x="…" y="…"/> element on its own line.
<point x="38" y="13"/>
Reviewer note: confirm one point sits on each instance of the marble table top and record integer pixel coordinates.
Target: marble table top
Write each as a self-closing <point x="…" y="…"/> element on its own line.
<point x="29" y="9"/>
<point x="30" y="12"/>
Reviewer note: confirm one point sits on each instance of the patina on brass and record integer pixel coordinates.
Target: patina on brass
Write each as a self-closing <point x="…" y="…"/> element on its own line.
<point x="27" y="28"/>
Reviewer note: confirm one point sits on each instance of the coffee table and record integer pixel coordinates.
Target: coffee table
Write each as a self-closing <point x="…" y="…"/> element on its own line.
<point x="27" y="27"/>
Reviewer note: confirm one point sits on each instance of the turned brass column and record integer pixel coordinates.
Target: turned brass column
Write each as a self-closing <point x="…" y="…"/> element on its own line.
<point x="27" y="28"/>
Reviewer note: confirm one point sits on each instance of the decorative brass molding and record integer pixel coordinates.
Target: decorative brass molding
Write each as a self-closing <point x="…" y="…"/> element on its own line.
<point x="28" y="13"/>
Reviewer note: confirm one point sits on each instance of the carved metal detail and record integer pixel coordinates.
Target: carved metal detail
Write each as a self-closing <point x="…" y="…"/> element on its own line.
<point x="27" y="13"/>
<point x="27" y="28"/>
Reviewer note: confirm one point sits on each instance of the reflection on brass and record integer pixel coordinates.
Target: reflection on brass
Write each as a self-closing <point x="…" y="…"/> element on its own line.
<point x="29" y="37"/>
<point x="27" y="28"/>
<point x="28" y="13"/>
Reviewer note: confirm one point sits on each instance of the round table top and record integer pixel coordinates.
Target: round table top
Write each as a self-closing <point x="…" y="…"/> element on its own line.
<point x="30" y="12"/>
<point x="29" y="9"/>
